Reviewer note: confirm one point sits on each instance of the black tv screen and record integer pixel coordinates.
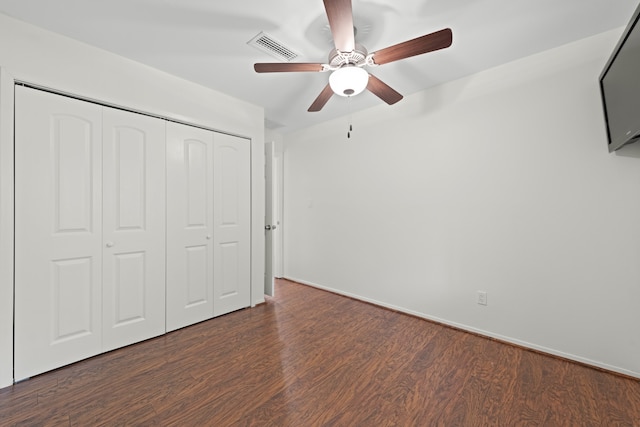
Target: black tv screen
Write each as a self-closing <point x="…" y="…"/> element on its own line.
<point x="620" y="88"/>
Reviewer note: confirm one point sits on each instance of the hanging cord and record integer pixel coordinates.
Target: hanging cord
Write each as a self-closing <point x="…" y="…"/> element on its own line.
<point x="350" y="118"/>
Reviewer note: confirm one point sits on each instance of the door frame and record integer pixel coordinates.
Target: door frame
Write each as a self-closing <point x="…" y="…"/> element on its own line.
<point x="278" y="238"/>
<point x="6" y="227"/>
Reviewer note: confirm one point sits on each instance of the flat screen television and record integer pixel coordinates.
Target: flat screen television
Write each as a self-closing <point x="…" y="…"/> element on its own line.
<point x="620" y="88"/>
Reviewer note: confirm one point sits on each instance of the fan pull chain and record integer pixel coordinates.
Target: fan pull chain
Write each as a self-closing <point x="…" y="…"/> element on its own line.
<point x="350" y="118"/>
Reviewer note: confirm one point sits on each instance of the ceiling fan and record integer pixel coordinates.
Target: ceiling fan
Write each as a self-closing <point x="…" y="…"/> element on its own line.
<point x="348" y="59"/>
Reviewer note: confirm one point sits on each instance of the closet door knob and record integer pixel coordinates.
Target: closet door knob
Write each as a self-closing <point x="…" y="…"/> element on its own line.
<point x="208" y="237"/>
<point x="109" y="244"/>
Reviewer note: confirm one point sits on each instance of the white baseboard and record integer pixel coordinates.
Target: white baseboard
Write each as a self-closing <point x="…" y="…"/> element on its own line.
<point x="482" y="332"/>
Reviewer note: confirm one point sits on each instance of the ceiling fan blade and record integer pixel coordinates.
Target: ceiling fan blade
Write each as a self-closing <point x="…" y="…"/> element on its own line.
<point x="427" y="43"/>
<point x="382" y="90"/>
<point x="340" y="16"/>
<point x="321" y="100"/>
<point x="278" y="67"/>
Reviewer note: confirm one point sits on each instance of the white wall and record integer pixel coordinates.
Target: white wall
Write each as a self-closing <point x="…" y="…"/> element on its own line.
<point x="40" y="57"/>
<point x="499" y="182"/>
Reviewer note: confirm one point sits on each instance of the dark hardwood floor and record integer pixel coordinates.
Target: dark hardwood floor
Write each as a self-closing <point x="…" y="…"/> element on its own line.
<point x="312" y="358"/>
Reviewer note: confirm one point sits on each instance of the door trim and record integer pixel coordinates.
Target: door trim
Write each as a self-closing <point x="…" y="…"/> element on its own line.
<point x="7" y="89"/>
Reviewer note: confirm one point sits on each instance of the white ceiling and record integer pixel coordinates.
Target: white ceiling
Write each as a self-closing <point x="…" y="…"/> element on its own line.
<point x="205" y="41"/>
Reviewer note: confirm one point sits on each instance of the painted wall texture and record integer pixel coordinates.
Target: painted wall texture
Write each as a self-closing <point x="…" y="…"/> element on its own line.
<point x="499" y="182"/>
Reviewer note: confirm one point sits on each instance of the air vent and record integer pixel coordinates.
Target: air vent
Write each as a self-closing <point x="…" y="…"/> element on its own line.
<point x="268" y="44"/>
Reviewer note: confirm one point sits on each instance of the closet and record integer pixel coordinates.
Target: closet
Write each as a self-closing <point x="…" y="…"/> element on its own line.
<point x="126" y="226"/>
<point x="208" y="209"/>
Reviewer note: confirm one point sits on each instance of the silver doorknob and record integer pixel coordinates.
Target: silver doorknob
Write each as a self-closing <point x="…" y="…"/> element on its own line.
<point x="269" y="227"/>
<point x="109" y="244"/>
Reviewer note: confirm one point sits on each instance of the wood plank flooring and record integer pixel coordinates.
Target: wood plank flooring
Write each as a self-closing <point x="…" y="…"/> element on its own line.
<point x="312" y="358"/>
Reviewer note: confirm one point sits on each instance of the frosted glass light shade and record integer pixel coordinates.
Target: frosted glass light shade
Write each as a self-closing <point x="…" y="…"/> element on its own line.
<point x="348" y="80"/>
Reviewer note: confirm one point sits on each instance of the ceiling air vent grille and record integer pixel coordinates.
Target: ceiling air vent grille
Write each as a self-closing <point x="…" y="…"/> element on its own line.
<point x="268" y="44"/>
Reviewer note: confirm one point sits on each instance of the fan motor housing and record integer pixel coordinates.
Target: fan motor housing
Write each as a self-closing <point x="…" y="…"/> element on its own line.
<point x="357" y="56"/>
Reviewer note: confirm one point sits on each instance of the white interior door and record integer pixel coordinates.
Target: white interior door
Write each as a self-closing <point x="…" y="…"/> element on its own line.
<point x="269" y="218"/>
<point x="58" y="236"/>
<point x="189" y="225"/>
<point x="232" y="223"/>
<point x="278" y="192"/>
<point x="133" y="286"/>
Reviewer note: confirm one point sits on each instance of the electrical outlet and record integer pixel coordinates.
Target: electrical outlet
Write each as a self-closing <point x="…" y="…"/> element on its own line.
<point x="482" y="297"/>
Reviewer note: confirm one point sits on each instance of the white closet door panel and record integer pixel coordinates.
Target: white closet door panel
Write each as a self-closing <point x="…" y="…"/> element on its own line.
<point x="58" y="204"/>
<point x="133" y="228"/>
<point x="232" y="223"/>
<point x="189" y="225"/>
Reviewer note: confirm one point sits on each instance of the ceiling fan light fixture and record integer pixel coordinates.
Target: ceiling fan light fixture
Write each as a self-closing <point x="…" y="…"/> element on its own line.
<point x="348" y="80"/>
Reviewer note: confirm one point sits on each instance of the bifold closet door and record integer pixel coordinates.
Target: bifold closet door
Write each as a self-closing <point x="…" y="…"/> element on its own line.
<point x="133" y="287"/>
<point x="189" y="225"/>
<point x="58" y="231"/>
<point x="90" y="230"/>
<point x="208" y="224"/>
<point x="232" y="223"/>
